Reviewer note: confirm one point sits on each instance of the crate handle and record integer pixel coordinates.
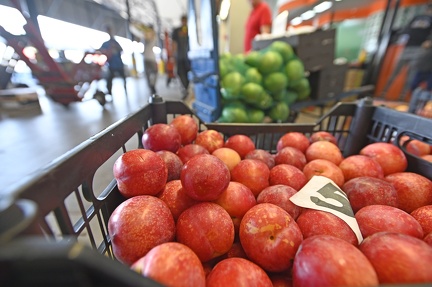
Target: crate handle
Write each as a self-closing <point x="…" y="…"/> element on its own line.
<point x="361" y="122"/>
<point x="158" y="107"/>
<point x="411" y="137"/>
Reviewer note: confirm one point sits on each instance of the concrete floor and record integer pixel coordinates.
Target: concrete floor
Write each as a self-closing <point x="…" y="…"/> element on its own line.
<point x="28" y="142"/>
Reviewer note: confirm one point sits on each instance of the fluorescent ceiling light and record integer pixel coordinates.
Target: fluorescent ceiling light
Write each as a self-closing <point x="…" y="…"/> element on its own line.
<point x="296" y="21"/>
<point x="322" y="6"/>
<point x="307" y="15"/>
<point x="12" y="20"/>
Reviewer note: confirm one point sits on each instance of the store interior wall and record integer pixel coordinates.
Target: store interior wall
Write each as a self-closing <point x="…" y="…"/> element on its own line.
<point x="232" y="30"/>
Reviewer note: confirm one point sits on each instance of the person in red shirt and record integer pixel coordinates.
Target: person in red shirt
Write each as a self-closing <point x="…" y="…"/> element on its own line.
<point x="259" y="22"/>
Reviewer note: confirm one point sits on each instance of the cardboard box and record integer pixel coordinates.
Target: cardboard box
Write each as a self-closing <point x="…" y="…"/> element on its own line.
<point x="354" y="78"/>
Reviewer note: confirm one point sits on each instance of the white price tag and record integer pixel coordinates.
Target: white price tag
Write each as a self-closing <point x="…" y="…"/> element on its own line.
<point x="321" y="193"/>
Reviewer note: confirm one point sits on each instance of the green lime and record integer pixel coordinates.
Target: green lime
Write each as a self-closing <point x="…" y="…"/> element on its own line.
<point x="251" y="92"/>
<point x="269" y="62"/>
<point x="279" y="112"/>
<point x="224" y="68"/>
<point x="290" y="97"/>
<point x="265" y="101"/>
<point x="287" y="96"/>
<point x="235" y="103"/>
<point x="233" y="114"/>
<point x="252" y="58"/>
<point x="224" y="56"/>
<point x="252" y="75"/>
<point x="294" y="70"/>
<point x="231" y="85"/>
<point x="303" y="89"/>
<point x="279" y="96"/>
<point x="284" y="49"/>
<point x="238" y="63"/>
<point x="275" y="82"/>
<point x="256" y="115"/>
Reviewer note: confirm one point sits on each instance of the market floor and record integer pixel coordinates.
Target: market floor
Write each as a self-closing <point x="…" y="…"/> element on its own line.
<point x="28" y="142"/>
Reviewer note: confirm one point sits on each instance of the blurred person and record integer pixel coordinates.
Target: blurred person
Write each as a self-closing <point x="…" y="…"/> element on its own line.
<point x="413" y="36"/>
<point x="169" y="65"/>
<point x="150" y="64"/>
<point x="423" y="66"/>
<point x="180" y="47"/>
<point x="258" y="22"/>
<point x="113" y="51"/>
<point x="421" y="85"/>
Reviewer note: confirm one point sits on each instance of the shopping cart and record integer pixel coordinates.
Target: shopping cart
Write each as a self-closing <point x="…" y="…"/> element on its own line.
<point x="65" y="82"/>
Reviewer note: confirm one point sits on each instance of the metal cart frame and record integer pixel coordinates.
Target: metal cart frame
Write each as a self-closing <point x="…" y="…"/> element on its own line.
<point x="62" y="85"/>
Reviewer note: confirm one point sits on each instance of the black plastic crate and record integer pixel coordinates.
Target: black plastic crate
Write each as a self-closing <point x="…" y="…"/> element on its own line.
<point x="75" y="174"/>
<point x="419" y="98"/>
<point x="34" y="261"/>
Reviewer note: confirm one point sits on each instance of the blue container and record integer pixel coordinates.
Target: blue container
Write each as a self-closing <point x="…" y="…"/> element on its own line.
<point x="205" y="76"/>
<point x="204" y="58"/>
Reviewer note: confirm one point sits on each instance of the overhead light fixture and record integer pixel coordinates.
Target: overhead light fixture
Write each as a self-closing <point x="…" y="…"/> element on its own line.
<point x="307" y="15"/>
<point x="296" y="21"/>
<point x="224" y="9"/>
<point x="323" y="6"/>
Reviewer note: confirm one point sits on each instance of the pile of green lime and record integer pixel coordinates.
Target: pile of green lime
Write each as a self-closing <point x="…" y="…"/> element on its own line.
<point x="261" y="84"/>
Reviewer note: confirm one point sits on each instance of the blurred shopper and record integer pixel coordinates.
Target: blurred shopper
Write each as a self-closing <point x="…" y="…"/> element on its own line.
<point x="259" y="22"/>
<point x="150" y="64"/>
<point x="413" y="37"/>
<point x="113" y="51"/>
<point x="180" y="45"/>
<point x="423" y="66"/>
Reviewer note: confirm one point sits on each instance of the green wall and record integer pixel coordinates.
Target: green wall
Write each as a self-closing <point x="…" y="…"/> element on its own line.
<point x="350" y="38"/>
